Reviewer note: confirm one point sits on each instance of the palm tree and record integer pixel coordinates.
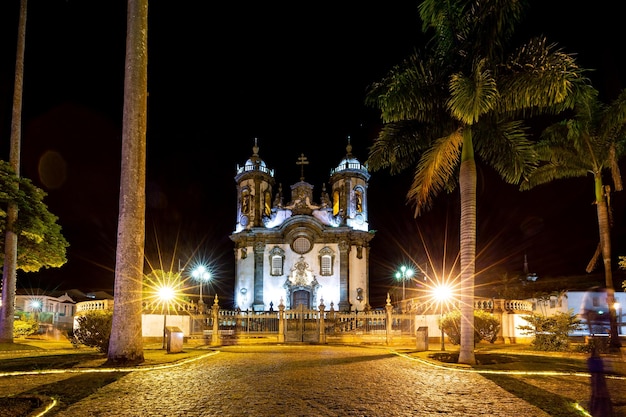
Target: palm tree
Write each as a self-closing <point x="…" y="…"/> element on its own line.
<point x="126" y="344"/>
<point x="464" y="100"/>
<point x="9" y="269"/>
<point x="591" y="142"/>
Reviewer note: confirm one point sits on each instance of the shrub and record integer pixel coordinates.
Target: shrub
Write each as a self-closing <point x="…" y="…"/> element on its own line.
<point x="94" y="329"/>
<point x="486" y="326"/>
<point x="551" y="333"/>
<point x="23" y="328"/>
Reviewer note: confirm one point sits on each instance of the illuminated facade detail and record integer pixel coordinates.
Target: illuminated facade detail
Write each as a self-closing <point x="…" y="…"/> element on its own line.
<point x="320" y="250"/>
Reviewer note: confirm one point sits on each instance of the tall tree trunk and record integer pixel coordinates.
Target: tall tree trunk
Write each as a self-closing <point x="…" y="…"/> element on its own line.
<point x="467" y="186"/>
<point x="126" y="344"/>
<point x="9" y="269"/>
<point x="604" y="228"/>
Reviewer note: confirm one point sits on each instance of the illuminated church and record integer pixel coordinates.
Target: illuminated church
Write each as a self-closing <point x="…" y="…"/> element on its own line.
<point x="301" y="248"/>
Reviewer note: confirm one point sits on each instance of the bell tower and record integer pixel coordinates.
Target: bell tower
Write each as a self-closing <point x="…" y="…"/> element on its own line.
<point x="349" y="191"/>
<point x="254" y="191"/>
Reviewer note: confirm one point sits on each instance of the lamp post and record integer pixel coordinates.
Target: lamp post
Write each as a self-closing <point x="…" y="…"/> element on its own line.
<point x="442" y="293"/>
<point x="403" y="274"/>
<point x="165" y="295"/>
<point x="36" y="307"/>
<point x="201" y="275"/>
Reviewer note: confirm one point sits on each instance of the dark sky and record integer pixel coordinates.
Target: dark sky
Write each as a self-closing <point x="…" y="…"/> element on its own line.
<point x="293" y="77"/>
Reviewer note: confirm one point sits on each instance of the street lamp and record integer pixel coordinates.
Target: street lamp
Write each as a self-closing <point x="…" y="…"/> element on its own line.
<point x="201" y="275"/>
<point x="165" y="295"/>
<point x="442" y="294"/>
<point x="404" y="273"/>
<point x="36" y="306"/>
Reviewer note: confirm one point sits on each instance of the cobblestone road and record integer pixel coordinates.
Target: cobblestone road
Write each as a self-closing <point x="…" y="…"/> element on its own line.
<point x="290" y="380"/>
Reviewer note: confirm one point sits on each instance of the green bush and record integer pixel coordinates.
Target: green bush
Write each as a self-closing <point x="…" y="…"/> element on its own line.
<point x="551" y="333"/>
<point x="23" y="328"/>
<point x="94" y="329"/>
<point x="486" y="326"/>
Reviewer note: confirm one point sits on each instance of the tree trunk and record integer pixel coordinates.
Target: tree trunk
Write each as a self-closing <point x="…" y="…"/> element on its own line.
<point x="467" y="186"/>
<point x="9" y="269"/>
<point x="126" y="344"/>
<point x="604" y="228"/>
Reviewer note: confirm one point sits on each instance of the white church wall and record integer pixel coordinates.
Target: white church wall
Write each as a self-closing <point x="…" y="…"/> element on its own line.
<point x="358" y="279"/>
<point x="245" y="279"/>
<point x="329" y="285"/>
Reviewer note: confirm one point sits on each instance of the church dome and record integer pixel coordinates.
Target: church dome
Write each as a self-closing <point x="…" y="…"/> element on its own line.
<point x="349" y="162"/>
<point x="254" y="163"/>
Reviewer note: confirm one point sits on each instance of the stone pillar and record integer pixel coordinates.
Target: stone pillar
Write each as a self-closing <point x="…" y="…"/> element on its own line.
<point x="259" y="250"/>
<point x="344" y="274"/>
<point x="281" y="322"/>
<point x="388" y="321"/>
<point x="215" y="337"/>
<point x="321" y="322"/>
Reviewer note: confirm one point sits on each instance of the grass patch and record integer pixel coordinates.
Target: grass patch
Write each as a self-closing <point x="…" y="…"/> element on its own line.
<point x="517" y="362"/>
<point x="567" y="393"/>
<point x="35" y="358"/>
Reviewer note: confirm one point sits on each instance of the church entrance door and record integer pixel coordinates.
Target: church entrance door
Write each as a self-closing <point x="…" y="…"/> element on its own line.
<point x="301" y="298"/>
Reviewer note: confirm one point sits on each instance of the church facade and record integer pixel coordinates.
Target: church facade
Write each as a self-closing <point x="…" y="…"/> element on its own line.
<point x="302" y="249"/>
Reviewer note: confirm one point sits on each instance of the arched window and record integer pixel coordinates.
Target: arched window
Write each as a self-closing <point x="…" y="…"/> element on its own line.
<point x="268" y="204"/>
<point x="277" y="260"/>
<point x="326" y="258"/>
<point x="335" y="202"/>
<point x="246" y="199"/>
<point x="358" y="200"/>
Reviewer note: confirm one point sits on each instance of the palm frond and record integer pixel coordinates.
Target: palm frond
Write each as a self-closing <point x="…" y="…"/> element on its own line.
<point x="548" y="173"/>
<point x="493" y="26"/>
<point x="447" y="19"/>
<point x="435" y="170"/>
<point x="505" y="146"/>
<point x="538" y="79"/>
<point x="410" y="91"/>
<point x="471" y="97"/>
<point x="593" y="262"/>
<point x="398" y="146"/>
<point x="613" y="118"/>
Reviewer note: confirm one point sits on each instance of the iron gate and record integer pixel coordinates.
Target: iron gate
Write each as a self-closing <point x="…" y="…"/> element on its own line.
<point x="302" y="325"/>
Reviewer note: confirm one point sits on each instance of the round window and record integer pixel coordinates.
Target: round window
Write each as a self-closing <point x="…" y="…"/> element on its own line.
<point x="301" y="245"/>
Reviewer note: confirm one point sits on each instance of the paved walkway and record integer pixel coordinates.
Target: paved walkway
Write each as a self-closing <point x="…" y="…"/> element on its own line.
<point x="293" y="380"/>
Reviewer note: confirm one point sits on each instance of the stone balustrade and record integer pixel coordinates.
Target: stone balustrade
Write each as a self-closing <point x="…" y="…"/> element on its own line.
<point x="92" y="305"/>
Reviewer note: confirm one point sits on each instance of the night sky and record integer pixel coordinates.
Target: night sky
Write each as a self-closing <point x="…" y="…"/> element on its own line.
<point x="221" y="75"/>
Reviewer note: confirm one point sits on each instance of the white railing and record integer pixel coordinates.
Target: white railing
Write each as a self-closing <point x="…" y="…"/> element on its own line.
<point x="92" y="305"/>
<point x="518" y="305"/>
<point x="254" y="167"/>
<point x="349" y="165"/>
